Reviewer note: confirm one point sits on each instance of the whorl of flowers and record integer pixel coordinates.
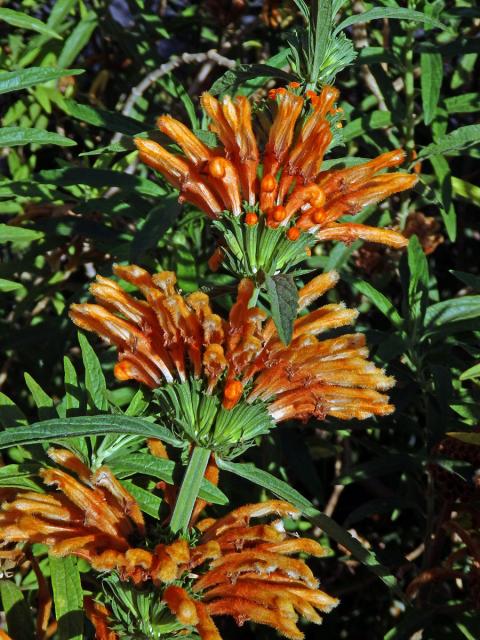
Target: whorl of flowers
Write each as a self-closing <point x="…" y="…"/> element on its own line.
<point x="172" y="338"/>
<point x="231" y="567"/>
<point x="293" y="193"/>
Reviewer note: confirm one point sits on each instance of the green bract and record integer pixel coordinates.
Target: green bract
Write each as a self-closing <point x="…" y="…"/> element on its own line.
<point x="191" y="413"/>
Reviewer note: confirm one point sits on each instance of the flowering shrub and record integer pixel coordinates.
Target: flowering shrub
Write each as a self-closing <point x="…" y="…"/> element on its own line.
<point x="268" y="419"/>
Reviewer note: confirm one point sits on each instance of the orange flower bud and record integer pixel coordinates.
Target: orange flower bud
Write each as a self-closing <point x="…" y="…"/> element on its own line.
<point x="278" y="213"/>
<point x="233" y="390"/>
<point x="251" y="219"/>
<point x="294" y="85"/>
<point x="293" y="234"/>
<point x="268" y="183"/>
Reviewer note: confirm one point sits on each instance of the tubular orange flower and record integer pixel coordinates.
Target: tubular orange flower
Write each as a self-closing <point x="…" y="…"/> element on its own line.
<point x="174" y="338"/>
<point x="291" y="165"/>
<point x="232" y="568"/>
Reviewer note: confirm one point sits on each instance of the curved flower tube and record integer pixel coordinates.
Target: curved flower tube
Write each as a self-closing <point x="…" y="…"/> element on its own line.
<point x="293" y="192"/>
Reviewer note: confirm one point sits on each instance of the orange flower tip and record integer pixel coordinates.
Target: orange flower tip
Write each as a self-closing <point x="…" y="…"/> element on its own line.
<point x="279" y="213"/>
<point x="293" y="234"/>
<point x="318" y="198"/>
<point x="251" y="219"/>
<point x="311" y="95"/>
<point x="123" y="370"/>
<point x="318" y="216"/>
<point x="233" y="391"/>
<point x="268" y="183"/>
<point x="217" y="167"/>
<point x="294" y="84"/>
<point x="273" y="93"/>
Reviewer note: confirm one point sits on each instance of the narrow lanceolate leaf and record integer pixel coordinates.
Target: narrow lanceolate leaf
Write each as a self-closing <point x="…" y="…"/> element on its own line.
<point x="61" y="428"/>
<point x="472" y="372"/>
<point x="7" y="286"/>
<point x="19" y="476"/>
<point x="18" y="136"/>
<point x="391" y="13"/>
<point x="79" y="37"/>
<point x="431" y="65"/>
<point x="8" y="233"/>
<point x="17" y="612"/>
<point x="94" y="378"/>
<point x="24" y="21"/>
<point x="283" y="296"/>
<point x="466" y="436"/>
<point x="109" y="120"/>
<point x="42" y="400"/>
<point x="284" y="491"/>
<point x="457" y="140"/>
<point x="382" y="303"/>
<point x="450" y="311"/>
<point x="418" y="284"/>
<point x="322" y="15"/>
<point x="68" y="597"/>
<point x="189" y="489"/>
<point x="10" y="414"/>
<point x="16" y="80"/>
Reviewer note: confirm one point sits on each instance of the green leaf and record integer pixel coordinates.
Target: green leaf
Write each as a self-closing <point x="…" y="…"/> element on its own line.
<point x="283" y="296"/>
<point x="467" y="190"/>
<point x="464" y="103"/>
<point x="17" y="612"/>
<point x="24" y="21"/>
<point x="285" y="491"/>
<point x="447" y="210"/>
<point x="431" y="65"/>
<point x="449" y="311"/>
<point x="99" y="178"/>
<point x="94" y="378"/>
<point x="68" y="597"/>
<point x="109" y="120"/>
<point x="457" y="140"/>
<point x="382" y="303"/>
<point x="471" y="373"/>
<point x="19" y="476"/>
<point x="469" y="279"/>
<point x="43" y="401"/>
<point x="16" y="80"/>
<point x="164" y="469"/>
<point x="418" y="284"/>
<point x="189" y="489"/>
<point x="7" y="286"/>
<point x="148" y="502"/>
<point x="322" y="15"/>
<point x="61" y="428"/>
<point x="18" y="136"/>
<point x="79" y="37"/>
<point x="366" y="123"/>
<point x="381" y="13"/>
<point x="9" y="233"/>
<point x="72" y="389"/>
<point x="10" y="414"/>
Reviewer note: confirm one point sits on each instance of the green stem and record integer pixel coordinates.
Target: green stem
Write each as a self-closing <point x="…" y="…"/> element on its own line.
<point x="188" y="493"/>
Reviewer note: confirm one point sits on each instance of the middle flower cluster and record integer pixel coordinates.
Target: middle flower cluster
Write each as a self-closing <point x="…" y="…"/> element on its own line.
<point x="168" y="339"/>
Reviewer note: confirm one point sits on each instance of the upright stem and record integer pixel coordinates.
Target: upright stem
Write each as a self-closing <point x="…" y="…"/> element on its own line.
<point x="409" y="129"/>
<point x="189" y="490"/>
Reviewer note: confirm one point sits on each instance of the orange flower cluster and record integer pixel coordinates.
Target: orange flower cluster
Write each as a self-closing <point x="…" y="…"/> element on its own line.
<point x="170" y="337"/>
<point x="90" y="516"/>
<point x="242" y="570"/>
<point x="293" y="192"/>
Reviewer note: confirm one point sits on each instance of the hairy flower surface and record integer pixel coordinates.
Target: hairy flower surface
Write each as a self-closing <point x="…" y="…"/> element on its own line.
<point x="229" y="567"/>
<point x="171" y="338"/>
<point x="293" y="192"/>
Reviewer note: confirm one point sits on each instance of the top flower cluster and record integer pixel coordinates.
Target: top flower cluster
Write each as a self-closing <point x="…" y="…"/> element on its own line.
<point x="293" y="192"/>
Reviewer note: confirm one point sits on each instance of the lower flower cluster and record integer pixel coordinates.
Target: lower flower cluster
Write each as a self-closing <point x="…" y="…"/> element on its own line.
<point x="229" y="566"/>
